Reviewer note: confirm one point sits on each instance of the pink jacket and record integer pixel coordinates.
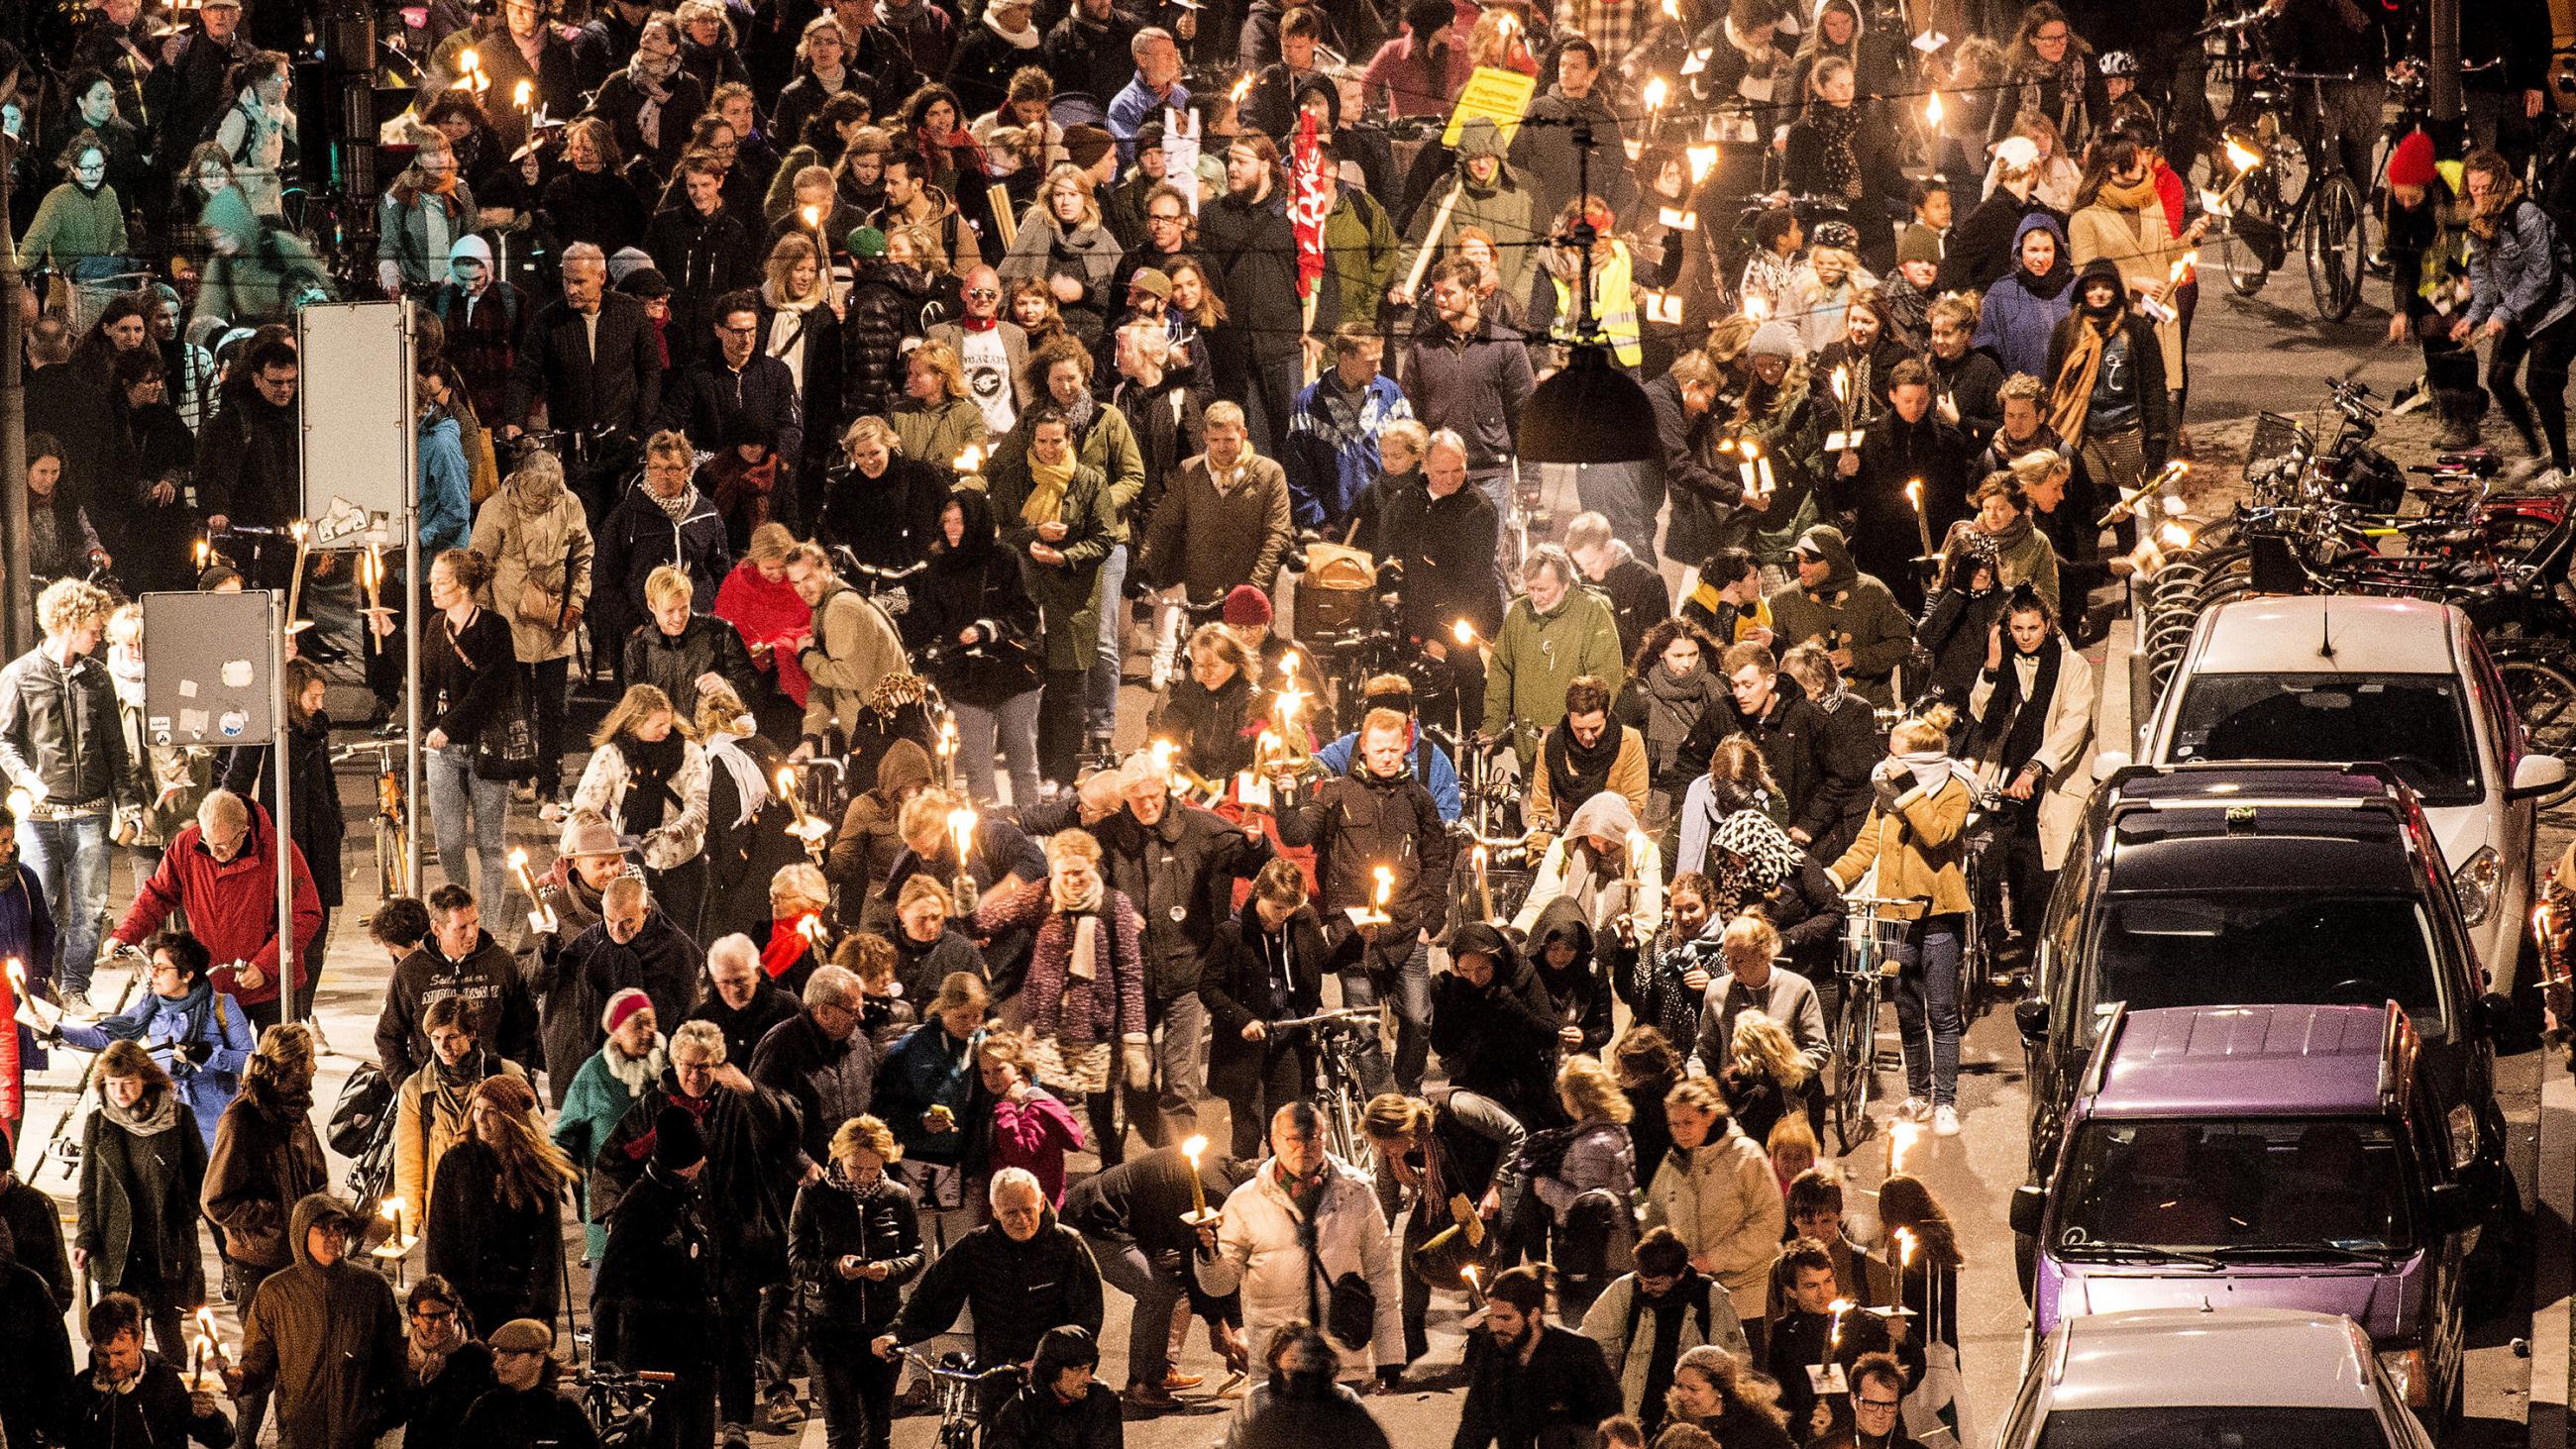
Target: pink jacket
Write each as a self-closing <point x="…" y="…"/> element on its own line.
<point x="1035" y="1134"/>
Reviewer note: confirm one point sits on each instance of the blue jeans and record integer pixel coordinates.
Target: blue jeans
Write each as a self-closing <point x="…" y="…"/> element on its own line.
<point x="1012" y="729"/>
<point x="1927" y="1009"/>
<point x="1372" y="978"/>
<point x="454" y="793"/>
<point x="69" y="858"/>
<point x="1101" y="694"/>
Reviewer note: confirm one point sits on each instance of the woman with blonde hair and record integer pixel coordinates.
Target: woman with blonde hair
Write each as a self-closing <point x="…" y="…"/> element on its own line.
<point x="1195" y="309"/>
<point x="881" y="504"/>
<point x="763" y="607"/>
<point x="1082" y="1004"/>
<point x="1719" y="1393"/>
<point x="1765" y="1077"/>
<point x="937" y="419"/>
<point x="796" y="935"/>
<point x="1212" y="715"/>
<point x="1913" y="847"/>
<point x="494" y="1225"/>
<point x="648" y="777"/>
<point x="533" y="530"/>
<point x="853" y="1242"/>
<point x="1590" y="1186"/>
<point x="800" y="325"/>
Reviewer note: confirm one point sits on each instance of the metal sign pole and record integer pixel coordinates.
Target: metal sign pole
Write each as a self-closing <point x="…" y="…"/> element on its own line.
<point x="281" y="810"/>
<point x="412" y="875"/>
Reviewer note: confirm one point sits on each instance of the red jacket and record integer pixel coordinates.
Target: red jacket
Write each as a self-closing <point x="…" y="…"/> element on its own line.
<point x="231" y="906"/>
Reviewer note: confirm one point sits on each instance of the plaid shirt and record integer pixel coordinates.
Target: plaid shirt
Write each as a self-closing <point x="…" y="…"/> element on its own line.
<point x="1612" y="26"/>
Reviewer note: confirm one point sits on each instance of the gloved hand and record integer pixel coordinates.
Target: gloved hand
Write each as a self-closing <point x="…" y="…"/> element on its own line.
<point x="1140" y="1063"/>
<point x="195" y="1053"/>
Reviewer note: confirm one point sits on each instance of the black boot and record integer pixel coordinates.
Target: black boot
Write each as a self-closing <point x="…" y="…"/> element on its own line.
<point x="2459" y="412"/>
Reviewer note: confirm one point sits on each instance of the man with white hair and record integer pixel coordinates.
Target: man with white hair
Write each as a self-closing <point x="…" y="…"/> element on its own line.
<point x="1021" y="1274"/>
<point x="742" y="1000"/>
<point x="222" y="871"/>
<point x="821" y="1061"/>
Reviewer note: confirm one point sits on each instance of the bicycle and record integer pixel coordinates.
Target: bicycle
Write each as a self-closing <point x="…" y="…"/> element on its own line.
<point x="2284" y="154"/>
<point x="1342" y="1039"/>
<point x="957" y="1386"/>
<point x="1871" y="934"/>
<point x="394" y="872"/>
<point x="619" y="1404"/>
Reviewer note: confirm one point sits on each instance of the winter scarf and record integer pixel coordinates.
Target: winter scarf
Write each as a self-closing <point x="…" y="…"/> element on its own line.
<point x="635" y="1074"/>
<point x="1929" y="768"/>
<point x="1576" y="772"/>
<point x="1680" y="703"/>
<point x="1047" y="486"/>
<point x="2015" y="724"/>
<point x="1082" y="963"/>
<point x="2071" y="392"/>
<point x="2136" y="197"/>
<point x="786" y="945"/>
<point x="679" y="506"/>
<point x="653" y="82"/>
<point x="751" y="792"/>
<point x="650" y="769"/>
<point x="140" y="1120"/>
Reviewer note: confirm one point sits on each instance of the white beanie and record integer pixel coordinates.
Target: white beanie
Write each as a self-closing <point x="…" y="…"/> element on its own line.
<point x="470" y="247"/>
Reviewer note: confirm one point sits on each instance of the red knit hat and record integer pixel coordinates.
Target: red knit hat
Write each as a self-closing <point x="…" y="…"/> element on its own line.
<point x="1246" y="606"/>
<point x="2411" y="164"/>
<point x="623" y="1005"/>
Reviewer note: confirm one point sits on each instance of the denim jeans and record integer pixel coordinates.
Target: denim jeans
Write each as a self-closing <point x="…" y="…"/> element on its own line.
<point x="1373" y="978"/>
<point x="1102" y="693"/>
<point x="1013" y="730"/>
<point x="1125" y="1267"/>
<point x="454" y="794"/>
<point x="69" y="857"/>
<point x="857" y="1390"/>
<point x="1927" y="1009"/>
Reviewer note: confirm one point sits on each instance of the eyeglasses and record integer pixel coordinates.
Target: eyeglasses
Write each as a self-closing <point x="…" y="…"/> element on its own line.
<point x="1884" y="1406"/>
<point x="985" y="294"/>
<point x="1161" y="217"/>
<point x="2045" y="38"/>
<point x="738" y="331"/>
<point x="433" y="1315"/>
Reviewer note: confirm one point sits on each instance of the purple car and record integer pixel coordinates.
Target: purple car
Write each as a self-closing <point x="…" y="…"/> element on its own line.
<point x="2265" y="1157"/>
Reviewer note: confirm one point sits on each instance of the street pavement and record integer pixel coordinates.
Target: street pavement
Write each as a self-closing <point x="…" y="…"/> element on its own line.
<point x="2249" y="355"/>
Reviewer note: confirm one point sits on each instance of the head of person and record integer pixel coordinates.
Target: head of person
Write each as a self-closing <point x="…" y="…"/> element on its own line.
<point x="810" y="572"/>
<point x="522" y="1352"/>
<point x="832" y="1000"/>
<point x="1278" y="893"/>
<point x="1217" y="659"/>
<point x="1587" y="709"/>
<point x="631" y="1024"/>
<point x="131" y="1079"/>
<point x="697" y="1051"/>
<point x="1444" y="463"/>
<point x="283" y="1065"/>
<point x="1457" y="296"/>
<point x="1687" y="901"/>
<point x="1753" y="676"/>
<point x="1400" y="446"/>
<point x="983" y="289"/>
<point x="2021" y="396"/>
<point x="585" y="275"/>
<point x="1663" y="1260"/>
<point x="1807" y="1271"/>
<point x="1548" y="574"/>
<point x="1878" y="1395"/>
<point x="1909" y="389"/>
<point x="327" y="1229"/>
<point x="960" y="1005"/>
<point x="862" y="1149"/>
<point x="223" y="825"/>
<point x="1696" y="1112"/>
<point x="1815" y="1205"/>
<point x="1073" y="867"/>
<point x="1251" y="167"/>
<point x="2028" y="620"/>
<point x="1385" y="738"/>
<point x="1050" y="435"/>
<point x="1516" y="1306"/>
<point x="1297" y="1142"/>
<point x="1748" y="945"/>
<point x="733" y="967"/>
<point x="449" y="1024"/>
<point x="115" y="1329"/>
<point x="455" y="921"/>
<point x="1019" y="1205"/>
<point x="73" y="613"/>
<point x="624" y="908"/>
<point x="1589" y="1092"/>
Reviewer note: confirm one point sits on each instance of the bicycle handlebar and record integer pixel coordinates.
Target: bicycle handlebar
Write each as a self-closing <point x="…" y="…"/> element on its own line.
<point x="968" y="1374"/>
<point x="1345" y="1016"/>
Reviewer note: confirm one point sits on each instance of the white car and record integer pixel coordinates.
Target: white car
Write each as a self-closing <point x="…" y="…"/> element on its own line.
<point x="2402" y="681"/>
<point x="2256" y="1377"/>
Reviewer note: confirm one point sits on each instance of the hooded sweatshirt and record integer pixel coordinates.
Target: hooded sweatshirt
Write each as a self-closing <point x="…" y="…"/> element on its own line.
<point x="328" y="1340"/>
<point x="2022" y="309"/>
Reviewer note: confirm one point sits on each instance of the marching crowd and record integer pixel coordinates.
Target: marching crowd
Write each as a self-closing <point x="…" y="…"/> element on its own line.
<point x="853" y="391"/>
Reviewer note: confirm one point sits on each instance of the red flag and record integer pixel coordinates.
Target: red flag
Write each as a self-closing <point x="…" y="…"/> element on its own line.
<point x="1307" y="206"/>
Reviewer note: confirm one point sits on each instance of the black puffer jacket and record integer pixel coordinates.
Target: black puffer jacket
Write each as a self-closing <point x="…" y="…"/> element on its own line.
<point x="888" y="521"/>
<point x="1179" y="872"/>
<point x="1497" y="1040"/>
<point x="833" y="1220"/>
<point x="1017" y="1290"/>
<point x="885" y="305"/>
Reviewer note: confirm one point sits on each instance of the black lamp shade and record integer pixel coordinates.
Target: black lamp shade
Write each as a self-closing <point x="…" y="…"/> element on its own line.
<point x="1589" y="412"/>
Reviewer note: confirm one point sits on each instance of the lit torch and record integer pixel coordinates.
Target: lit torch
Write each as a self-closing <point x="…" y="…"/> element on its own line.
<point x="1922" y="521"/>
<point x="541" y="919"/>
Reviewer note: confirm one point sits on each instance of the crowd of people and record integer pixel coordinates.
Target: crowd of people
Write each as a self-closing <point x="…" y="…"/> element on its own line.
<point x="857" y="394"/>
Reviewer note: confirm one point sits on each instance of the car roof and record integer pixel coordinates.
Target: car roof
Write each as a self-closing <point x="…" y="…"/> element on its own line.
<point x="2159" y="1357"/>
<point x="2236" y="1061"/>
<point x="2261" y="827"/>
<point x="2291" y="635"/>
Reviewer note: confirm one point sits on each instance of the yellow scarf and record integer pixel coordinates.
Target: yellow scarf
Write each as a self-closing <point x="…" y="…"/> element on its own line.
<point x="1046" y="491"/>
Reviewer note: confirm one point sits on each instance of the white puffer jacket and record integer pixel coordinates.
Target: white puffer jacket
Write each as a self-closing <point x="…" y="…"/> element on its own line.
<point x="1723" y="1202"/>
<point x="1260" y="1248"/>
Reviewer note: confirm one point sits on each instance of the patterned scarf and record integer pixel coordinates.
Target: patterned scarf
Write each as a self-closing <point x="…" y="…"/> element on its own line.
<point x="1756" y="858"/>
<point x="1083" y="963"/>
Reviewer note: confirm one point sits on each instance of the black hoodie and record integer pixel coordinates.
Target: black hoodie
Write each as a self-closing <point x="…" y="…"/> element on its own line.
<point x="975" y="586"/>
<point x="1578" y="991"/>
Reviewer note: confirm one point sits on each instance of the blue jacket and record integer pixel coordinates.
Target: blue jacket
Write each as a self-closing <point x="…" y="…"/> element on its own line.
<point x="1441" y="778"/>
<point x="2017" y="320"/>
<point x="2518" y="276"/>
<point x="27" y="932"/>
<point x="446" y="486"/>
<point x="1331" y="454"/>
<point x="204" y="1016"/>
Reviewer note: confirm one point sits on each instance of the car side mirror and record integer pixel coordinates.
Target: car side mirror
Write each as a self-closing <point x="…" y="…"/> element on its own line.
<point x="2031" y="1015"/>
<point x="2536" y="775"/>
<point x="2454" y="1209"/>
<point x="2029" y="1210"/>
<point x="2107" y="763"/>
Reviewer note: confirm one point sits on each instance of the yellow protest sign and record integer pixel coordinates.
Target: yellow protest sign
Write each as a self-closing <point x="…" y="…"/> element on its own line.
<point x="1501" y="96"/>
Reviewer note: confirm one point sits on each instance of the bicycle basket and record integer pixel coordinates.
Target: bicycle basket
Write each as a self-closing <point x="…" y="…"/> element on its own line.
<point x="1870" y="935"/>
<point x="2276" y="439"/>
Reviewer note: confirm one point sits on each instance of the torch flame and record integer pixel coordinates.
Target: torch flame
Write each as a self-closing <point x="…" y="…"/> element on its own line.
<point x="1905" y="1246"/>
<point x="961" y="825"/>
<point x="2242" y="156"/>
<point x="1842" y="383"/>
<point x="1464" y="633"/>
<point x="526" y="92"/>
<point x="1656" y="90"/>
<point x="813" y="216"/>
<point x="1932" y="109"/>
<point x="468" y="61"/>
<point x="1703" y="160"/>
<point x="1900" y="1138"/>
<point x="1241" y="89"/>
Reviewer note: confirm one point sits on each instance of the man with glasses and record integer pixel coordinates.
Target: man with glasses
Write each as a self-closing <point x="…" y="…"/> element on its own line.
<point x="992" y="349"/>
<point x="525" y="1410"/>
<point x="822" y="1062"/>
<point x="322" y="1335"/>
<point x="1878" y="1389"/>
<point x="1171" y="236"/>
<point x="250" y="458"/>
<point x="742" y="401"/>
<point x="752" y="1163"/>
<point x="445" y="1368"/>
<point x="1646" y="1320"/>
<point x="223" y="872"/>
<point x="745" y="1003"/>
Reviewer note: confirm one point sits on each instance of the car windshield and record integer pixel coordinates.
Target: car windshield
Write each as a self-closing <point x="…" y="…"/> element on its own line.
<point x="2266" y="948"/>
<point x="2227" y="1427"/>
<point x="2282" y="1188"/>
<point x="2417" y="723"/>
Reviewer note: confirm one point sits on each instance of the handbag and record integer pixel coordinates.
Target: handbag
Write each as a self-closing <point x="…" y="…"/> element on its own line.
<point x="1350" y="1305"/>
<point x="506" y="748"/>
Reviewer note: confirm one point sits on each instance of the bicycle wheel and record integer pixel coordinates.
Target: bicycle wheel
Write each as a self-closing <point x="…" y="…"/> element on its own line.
<point x="1856" y="1049"/>
<point x="2544" y="699"/>
<point x="392" y="876"/>
<point x="2334" y="246"/>
<point x="2242" y="251"/>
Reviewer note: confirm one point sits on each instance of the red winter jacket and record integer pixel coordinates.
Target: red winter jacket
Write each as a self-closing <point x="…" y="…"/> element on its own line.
<point x="231" y="906"/>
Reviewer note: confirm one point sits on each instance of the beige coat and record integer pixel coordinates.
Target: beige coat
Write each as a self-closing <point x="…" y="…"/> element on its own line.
<point x="551" y="548"/>
<point x="427" y="1122"/>
<point x="2065" y="748"/>
<point x="1723" y="1201"/>
<point x="1919" y="848"/>
<point x="2145" y="249"/>
<point x="855" y="647"/>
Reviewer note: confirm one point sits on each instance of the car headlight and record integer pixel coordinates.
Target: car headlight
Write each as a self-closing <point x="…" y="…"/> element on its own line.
<point x="2406" y="1372"/>
<point x="2477" y="882"/>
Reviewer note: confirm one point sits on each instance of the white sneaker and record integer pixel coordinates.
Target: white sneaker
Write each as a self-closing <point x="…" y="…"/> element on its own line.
<point x="1945" y="1121"/>
<point x="1914" y="1109"/>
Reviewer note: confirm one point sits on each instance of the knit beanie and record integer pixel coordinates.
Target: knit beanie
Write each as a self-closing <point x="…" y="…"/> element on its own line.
<point x="1246" y="605"/>
<point x="1085" y="145"/>
<point x="1774" y="338"/>
<point x="1920" y="243"/>
<point x="2411" y="164"/>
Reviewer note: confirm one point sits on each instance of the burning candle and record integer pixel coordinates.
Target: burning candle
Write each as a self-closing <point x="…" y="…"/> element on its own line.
<point x="1900" y="1140"/>
<point x="961" y="829"/>
<point x="1922" y="522"/>
<point x="542" y="919"/>
<point x="1657" y="92"/>
<point x="1161" y="751"/>
<point x="203" y="550"/>
<point x="391" y="1210"/>
<point x="1241" y="89"/>
<point x="1703" y="160"/>
<point x="1932" y="110"/>
<point x="1904" y="1249"/>
<point x="525" y="96"/>
<point x="967" y="462"/>
<point x="1198" y="1190"/>
<point x="1838" y="1307"/>
<point x="1464" y="633"/>
<point x="1763" y="466"/>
